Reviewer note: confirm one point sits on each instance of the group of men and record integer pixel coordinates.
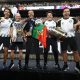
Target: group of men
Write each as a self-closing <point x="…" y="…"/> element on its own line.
<point x="17" y="34"/>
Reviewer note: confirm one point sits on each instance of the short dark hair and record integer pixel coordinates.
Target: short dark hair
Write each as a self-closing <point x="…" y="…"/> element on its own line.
<point x="66" y="8"/>
<point x="49" y="12"/>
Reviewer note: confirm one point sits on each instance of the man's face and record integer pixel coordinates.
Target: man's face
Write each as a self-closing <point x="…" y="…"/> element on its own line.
<point x="49" y="16"/>
<point x="31" y="14"/>
<point x="18" y="17"/>
<point x="7" y="13"/>
<point x="66" y="13"/>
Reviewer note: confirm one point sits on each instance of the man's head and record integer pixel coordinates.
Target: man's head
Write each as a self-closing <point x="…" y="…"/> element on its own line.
<point x="31" y="14"/>
<point x="49" y="15"/>
<point x="17" y="17"/>
<point x="66" y="13"/>
<point x="7" y="13"/>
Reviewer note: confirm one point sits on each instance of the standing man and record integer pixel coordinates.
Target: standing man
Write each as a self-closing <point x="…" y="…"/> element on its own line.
<point x="31" y="41"/>
<point x="51" y="40"/>
<point x="68" y="25"/>
<point x="17" y="40"/>
<point x="5" y="33"/>
<point x="78" y="36"/>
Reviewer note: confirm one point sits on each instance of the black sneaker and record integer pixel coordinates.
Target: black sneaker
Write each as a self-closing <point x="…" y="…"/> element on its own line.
<point x="45" y="66"/>
<point x="77" y="68"/>
<point x="38" y="66"/>
<point x="11" y="65"/>
<point x="19" y="66"/>
<point x="65" y="68"/>
<point x="4" y="66"/>
<point x="26" y="66"/>
<point x="57" y="66"/>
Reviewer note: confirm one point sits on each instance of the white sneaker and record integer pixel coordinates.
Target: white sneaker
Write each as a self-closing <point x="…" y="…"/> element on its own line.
<point x="77" y="69"/>
<point x="11" y="65"/>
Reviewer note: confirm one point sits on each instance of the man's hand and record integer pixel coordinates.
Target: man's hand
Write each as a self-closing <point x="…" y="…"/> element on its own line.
<point x="13" y="39"/>
<point x="28" y="34"/>
<point x="2" y="19"/>
<point x="77" y="24"/>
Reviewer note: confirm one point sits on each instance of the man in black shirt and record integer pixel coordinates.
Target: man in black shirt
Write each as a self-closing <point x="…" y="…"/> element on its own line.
<point x="31" y="41"/>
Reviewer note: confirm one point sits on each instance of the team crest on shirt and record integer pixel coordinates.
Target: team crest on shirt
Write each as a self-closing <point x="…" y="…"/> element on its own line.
<point x="70" y="21"/>
<point x="10" y="21"/>
<point x="46" y="23"/>
<point x="62" y="22"/>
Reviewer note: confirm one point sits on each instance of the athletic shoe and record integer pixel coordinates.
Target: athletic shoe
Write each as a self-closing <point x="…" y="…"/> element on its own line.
<point x="65" y="68"/>
<point x="57" y="66"/>
<point x="77" y="68"/>
<point x="11" y="65"/>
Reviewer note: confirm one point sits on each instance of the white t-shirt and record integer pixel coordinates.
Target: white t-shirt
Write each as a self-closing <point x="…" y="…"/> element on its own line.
<point x="5" y="27"/>
<point x="67" y="26"/>
<point x="50" y="24"/>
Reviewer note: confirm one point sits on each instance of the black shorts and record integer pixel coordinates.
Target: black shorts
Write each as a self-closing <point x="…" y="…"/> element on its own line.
<point x="5" y="41"/>
<point x="71" y="42"/>
<point x="16" y="44"/>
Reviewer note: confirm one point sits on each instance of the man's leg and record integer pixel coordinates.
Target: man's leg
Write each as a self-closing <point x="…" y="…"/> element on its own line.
<point x="12" y="60"/>
<point x="28" y="48"/>
<point x="20" y="59"/>
<point x="64" y="45"/>
<point x="46" y="52"/>
<point x="12" y="55"/>
<point x="6" y="44"/>
<point x="74" y="48"/>
<point x="55" y="53"/>
<point x="76" y="59"/>
<point x="5" y="56"/>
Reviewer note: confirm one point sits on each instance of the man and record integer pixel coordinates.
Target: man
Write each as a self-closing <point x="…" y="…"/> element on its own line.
<point x="78" y="36"/>
<point x="51" y="40"/>
<point x="31" y="41"/>
<point x="17" y="40"/>
<point x="67" y="24"/>
<point x="5" y="33"/>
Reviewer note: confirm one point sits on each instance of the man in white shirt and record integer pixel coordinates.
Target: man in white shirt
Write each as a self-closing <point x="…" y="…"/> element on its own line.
<point x="51" y="40"/>
<point x="67" y="24"/>
<point x="17" y="40"/>
<point x="5" y="33"/>
<point x="78" y="36"/>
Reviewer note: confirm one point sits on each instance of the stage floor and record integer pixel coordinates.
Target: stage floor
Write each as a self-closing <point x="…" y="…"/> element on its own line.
<point x="38" y="74"/>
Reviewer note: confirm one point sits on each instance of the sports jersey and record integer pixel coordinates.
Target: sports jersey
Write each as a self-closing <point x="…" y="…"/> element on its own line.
<point x="18" y="31"/>
<point x="30" y="25"/>
<point x="50" y="24"/>
<point x="5" y="25"/>
<point x="67" y="25"/>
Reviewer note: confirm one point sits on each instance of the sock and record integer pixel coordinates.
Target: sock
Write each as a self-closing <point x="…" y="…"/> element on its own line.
<point x="19" y="61"/>
<point x="4" y="63"/>
<point x="65" y="63"/>
<point x="56" y="62"/>
<point x="12" y="61"/>
<point x="77" y="63"/>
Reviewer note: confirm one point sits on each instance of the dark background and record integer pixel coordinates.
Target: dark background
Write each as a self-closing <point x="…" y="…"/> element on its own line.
<point x="56" y="13"/>
<point x="23" y="1"/>
<point x="42" y="13"/>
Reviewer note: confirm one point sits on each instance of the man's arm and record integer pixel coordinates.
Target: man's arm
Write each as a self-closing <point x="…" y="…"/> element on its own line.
<point x="75" y="23"/>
